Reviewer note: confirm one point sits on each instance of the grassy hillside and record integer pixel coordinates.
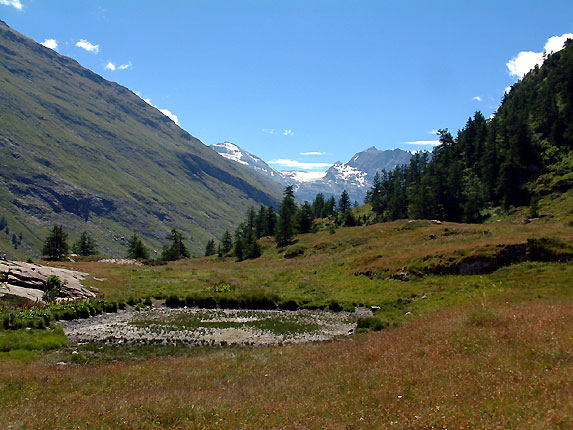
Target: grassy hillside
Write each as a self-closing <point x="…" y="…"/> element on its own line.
<point x="87" y="153"/>
<point x="462" y="351"/>
<point x="401" y="266"/>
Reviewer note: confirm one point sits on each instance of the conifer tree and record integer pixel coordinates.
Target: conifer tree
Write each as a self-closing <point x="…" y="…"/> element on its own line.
<point x="136" y="249"/>
<point x="56" y="244"/>
<point x="344" y="204"/>
<point x="85" y="245"/>
<point x="210" y="248"/>
<point x="287" y="211"/>
<point x="329" y="207"/>
<point x="318" y="205"/>
<point x="271" y="224"/>
<point x="177" y="249"/>
<point x="226" y="242"/>
<point x="260" y="222"/>
<point x="304" y="218"/>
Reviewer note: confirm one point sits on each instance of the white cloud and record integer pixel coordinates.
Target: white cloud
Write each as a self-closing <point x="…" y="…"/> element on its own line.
<point x="477" y="98"/>
<point x="557" y="43"/>
<point x="288" y="133"/>
<point x="508" y="89"/>
<point x="527" y="60"/>
<point x="113" y="67"/>
<point x="268" y="130"/>
<point x="50" y="43"/>
<point x="14" y="3"/>
<point x="299" y="165"/>
<point x="165" y="112"/>
<point x="312" y="153"/>
<point x="424" y="142"/>
<point x="170" y="114"/>
<point x="433" y="132"/>
<point x="524" y="62"/>
<point x="90" y="47"/>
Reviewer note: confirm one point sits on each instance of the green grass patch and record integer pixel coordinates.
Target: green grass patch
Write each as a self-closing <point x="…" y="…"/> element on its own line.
<point x="32" y="339"/>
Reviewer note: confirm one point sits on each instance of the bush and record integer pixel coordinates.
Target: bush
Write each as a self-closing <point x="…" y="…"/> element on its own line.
<point x="53" y="286"/>
<point x="110" y="307"/>
<point x="258" y="301"/>
<point x="334" y="306"/>
<point x="288" y="305"/>
<point x="371" y="323"/>
<point x="174" y="302"/>
<point x="294" y="251"/>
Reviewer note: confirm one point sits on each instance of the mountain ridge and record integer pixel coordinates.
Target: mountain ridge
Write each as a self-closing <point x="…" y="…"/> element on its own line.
<point x="354" y="176"/>
<point x="90" y="154"/>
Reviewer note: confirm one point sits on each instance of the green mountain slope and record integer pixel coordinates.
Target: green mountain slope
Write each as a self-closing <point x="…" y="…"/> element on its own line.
<point x="87" y="153"/>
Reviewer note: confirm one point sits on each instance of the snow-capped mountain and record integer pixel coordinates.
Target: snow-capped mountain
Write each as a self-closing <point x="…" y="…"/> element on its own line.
<point x="233" y="152"/>
<point x="354" y="176"/>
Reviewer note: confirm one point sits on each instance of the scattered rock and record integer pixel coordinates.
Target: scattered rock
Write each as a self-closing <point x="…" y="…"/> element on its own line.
<point x="401" y="276"/>
<point x="121" y="261"/>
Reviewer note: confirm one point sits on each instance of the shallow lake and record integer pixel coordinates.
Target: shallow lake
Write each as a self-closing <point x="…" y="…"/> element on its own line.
<point x="211" y="326"/>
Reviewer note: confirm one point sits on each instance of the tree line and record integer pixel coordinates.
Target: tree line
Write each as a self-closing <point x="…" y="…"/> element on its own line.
<point x="56" y="246"/>
<point x="506" y="160"/>
<point x="290" y="220"/>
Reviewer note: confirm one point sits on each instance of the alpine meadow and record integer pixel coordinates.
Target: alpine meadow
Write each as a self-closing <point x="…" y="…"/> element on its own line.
<point x="151" y="281"/>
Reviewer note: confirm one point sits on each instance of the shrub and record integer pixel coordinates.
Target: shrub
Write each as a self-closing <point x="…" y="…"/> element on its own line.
<point x="294" y="251"/>
<point x="371" y="323"/>
<point x="174" y="301"/>
<point x="288" y="305"/>
<point x="53" y="286"/>
<point x="334" y="306"/>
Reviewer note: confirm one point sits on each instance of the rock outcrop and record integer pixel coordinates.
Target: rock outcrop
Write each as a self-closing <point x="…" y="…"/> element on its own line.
<point x="29" y="280"/>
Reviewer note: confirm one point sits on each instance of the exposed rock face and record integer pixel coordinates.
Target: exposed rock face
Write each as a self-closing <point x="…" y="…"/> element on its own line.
<point x="29" y="280"/>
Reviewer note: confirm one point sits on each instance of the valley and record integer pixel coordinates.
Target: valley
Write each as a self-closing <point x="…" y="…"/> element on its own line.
<point x="150" y="281"/>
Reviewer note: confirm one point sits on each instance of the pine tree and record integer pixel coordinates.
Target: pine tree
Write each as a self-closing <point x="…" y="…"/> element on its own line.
<point x="304" y="218"/>
<point x="260" y="222"/>
<point x="210" y="248"/>
<point x="239" y="245"/>
<point x="271" y="222"/>
<point x="56" y="244"/>
<point x="252" y="248"/>
<point x="318" y="205"/>
<point x="287" y="211"/>
<point x="177" y="249"/>
<point x="344" y="204"/>
<point x="329" y="207"/>
<point x="226" y="242"/>
<point x="137" y="249"/>
<point x="85" y="245"/>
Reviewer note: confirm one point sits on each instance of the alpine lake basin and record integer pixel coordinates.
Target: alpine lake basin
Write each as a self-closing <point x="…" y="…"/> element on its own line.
<point x="210" y="327"/>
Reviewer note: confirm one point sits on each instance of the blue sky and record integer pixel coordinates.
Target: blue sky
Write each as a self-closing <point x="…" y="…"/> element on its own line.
<point x="304" y="81"/>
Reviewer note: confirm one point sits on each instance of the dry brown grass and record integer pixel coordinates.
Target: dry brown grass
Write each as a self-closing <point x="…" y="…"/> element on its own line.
<point x="512" y="369"/>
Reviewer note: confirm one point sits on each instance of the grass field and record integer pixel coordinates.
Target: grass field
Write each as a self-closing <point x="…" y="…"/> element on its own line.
<point x="490" y="350"/>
